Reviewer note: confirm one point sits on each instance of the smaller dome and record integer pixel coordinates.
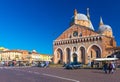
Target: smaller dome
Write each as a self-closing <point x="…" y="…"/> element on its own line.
<point x="82" y="17"/>
<point x="34" y="51"/>
<point x="104" y="28"/>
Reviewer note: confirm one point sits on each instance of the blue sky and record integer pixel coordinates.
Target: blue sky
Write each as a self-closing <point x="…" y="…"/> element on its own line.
<point x="34" y="24"/>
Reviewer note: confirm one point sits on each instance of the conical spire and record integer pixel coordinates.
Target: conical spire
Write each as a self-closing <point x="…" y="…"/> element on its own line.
<point x="91" y="26"/>
<point x="101" y="21"/>
<point x="75" y="12"/>
<point x="88" y="15"/>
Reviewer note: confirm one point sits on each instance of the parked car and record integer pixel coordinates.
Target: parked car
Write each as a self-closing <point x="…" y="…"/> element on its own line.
<point x="41" y="64"/>
<point x="73" y="65"/>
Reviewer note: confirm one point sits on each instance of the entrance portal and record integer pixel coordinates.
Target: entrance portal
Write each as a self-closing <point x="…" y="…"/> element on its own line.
<point x="82" y="49"/>
<point x="68" y="55"/>
<point x="60" y="56"/>
<point x="74" y="57"/>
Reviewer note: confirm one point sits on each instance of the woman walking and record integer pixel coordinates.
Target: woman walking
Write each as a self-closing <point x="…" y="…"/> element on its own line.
<point x="110" y="67"/>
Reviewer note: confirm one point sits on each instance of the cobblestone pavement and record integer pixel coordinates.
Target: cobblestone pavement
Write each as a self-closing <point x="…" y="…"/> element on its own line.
<point x="35" y="74"/>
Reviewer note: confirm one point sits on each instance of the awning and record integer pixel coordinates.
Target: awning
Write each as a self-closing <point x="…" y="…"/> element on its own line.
<point x="105" y="59"/>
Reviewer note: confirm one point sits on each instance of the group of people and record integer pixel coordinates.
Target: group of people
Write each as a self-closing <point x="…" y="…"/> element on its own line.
<point x="109" y="67"/>
<point x="44" y="64"/>
<point x="8" y="63"/>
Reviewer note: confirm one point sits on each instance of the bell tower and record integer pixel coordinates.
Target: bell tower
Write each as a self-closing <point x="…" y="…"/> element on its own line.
<point x="75" y="16"/>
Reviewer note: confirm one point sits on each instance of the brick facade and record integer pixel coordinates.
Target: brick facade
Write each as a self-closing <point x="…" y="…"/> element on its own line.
<point x="82" y="44"/>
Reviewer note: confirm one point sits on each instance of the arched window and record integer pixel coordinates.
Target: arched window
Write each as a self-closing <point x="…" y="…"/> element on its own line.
<point x="60" y="56"/>
<point x="70" y="36"/>
<point x="74" y="49"/>
<point x="80" y="34"/>
<point x="68" y="54"/>
<point x="82" y="49"/>
<point x="97" y="54"/>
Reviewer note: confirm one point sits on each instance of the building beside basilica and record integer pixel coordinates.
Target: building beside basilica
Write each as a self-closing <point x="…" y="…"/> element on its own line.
<point x="23" y="56"/>
<point x="81" y="43"/>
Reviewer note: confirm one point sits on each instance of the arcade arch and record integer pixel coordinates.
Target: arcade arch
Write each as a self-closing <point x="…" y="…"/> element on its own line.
<point x="68" y="52"/>
<point x="82" y="54"/>
<point x="94" y="51"/>
<point x="75" y="58"/>
<point x="59" y="57"/>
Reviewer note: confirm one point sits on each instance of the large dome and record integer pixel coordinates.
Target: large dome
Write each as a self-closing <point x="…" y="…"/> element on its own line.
<point x="103" y="28"/>
<point x="82" y="17"/>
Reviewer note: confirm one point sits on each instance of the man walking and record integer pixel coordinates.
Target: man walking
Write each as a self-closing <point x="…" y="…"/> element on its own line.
<point x="105" y="67"/>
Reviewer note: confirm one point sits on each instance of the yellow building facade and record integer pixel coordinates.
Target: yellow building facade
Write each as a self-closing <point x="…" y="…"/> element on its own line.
<point x="45" y="57"/>
<point x="23" y="55"/>
<point x="10" y="55"/>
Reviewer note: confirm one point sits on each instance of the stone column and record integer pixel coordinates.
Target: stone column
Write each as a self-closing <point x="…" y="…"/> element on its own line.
<point x="71" y="57"/>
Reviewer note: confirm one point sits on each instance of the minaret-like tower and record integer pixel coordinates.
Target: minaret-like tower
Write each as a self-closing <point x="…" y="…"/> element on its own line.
<point x="105" y="29"/>
<point x="75" y="12"/>
<point x="75" y="16"/>
<point x="88" y="16"/>
<point x="101" y="22"/>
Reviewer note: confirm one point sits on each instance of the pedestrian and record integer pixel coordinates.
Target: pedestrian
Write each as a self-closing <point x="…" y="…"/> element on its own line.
<point x="105" y="67"/>
<point x="92" y="63"/>
<point x="113" y="65"/>
<point x="3" y="63"/>
<point x="110" y="67"/>
<point x="47" y="63"/>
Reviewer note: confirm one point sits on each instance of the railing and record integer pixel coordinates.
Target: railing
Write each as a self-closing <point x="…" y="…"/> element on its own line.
<point x="78" y="40"/>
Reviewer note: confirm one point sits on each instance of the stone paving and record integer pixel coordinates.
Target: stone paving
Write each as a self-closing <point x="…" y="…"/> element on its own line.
<point x="36" y="74"/>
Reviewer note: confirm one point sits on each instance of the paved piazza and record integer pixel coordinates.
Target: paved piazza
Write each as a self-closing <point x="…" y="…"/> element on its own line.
<point x="35" y="74"/>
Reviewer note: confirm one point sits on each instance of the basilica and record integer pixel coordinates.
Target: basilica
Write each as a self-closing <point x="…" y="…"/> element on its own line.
<point x="81" y="43"/>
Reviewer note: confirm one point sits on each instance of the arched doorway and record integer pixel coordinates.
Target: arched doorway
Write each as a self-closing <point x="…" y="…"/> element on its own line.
<point x="68" y="52"/>
<point x="95" y="52"/>
<point x="60" y="56"/>
<point x="74" y="57"/>
<point x="82" y="49"/>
